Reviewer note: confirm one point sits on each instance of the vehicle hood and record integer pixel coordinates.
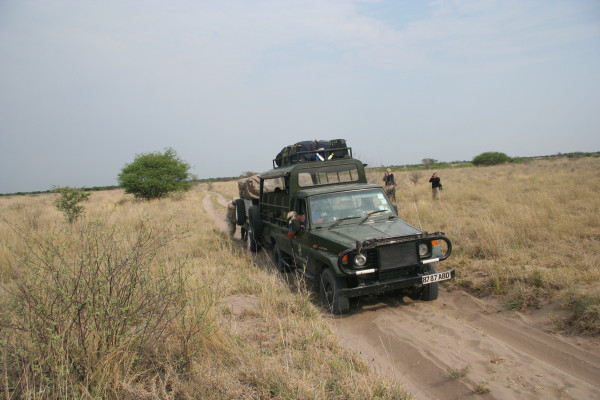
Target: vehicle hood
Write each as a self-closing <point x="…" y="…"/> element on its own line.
<point x="348" y="233"/>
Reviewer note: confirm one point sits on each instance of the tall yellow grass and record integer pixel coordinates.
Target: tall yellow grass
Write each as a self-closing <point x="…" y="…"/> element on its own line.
<point x="527" y="232"/>
<point x="242" y="333"/>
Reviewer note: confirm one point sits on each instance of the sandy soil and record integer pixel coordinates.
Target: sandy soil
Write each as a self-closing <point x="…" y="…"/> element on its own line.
<point x="462" y="347"/>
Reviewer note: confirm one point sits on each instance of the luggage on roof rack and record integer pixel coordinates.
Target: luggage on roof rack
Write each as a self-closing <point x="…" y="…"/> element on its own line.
<point x="312" y="150"/>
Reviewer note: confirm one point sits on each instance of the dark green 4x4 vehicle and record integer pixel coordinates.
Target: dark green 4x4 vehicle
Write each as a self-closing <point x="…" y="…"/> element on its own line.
<point x="353" y="242"/>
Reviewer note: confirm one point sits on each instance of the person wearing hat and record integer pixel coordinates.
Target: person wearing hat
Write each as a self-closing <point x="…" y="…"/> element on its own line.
<point x="297" y="223"/>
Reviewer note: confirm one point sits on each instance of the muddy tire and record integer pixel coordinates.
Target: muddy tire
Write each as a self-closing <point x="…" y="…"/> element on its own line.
<point x="329" y="287"/>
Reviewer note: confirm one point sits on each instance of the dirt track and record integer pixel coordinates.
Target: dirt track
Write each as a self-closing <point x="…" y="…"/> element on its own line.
<point x="502" y="355"/>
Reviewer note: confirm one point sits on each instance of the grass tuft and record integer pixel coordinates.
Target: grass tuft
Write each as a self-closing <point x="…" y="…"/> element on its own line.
<point x="455" y="374"/>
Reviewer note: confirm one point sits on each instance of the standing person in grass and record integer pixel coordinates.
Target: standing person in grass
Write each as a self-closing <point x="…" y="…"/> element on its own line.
<point x="436" y="186"/>
<point x="389" y="184"/>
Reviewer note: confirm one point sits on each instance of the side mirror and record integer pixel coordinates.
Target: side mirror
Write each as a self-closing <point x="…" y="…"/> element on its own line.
<point x="395" y="208"/>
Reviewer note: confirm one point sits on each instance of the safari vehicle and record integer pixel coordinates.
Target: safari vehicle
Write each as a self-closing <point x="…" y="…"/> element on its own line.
<point x="353" y="243"/>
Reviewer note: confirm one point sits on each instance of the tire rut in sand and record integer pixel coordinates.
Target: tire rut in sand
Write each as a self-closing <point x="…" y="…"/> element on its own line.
<point x="421" y="344"/>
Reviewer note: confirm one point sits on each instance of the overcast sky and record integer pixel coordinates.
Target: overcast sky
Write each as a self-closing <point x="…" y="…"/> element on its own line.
<point x="87" y="85"/>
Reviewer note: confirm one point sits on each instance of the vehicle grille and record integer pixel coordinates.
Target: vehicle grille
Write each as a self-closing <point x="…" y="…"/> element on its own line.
<point x="406" y="272"/>
<point x="394" y="261"/>
<point x="397" y="255"/>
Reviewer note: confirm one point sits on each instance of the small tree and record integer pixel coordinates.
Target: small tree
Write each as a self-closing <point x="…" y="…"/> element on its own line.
<point x="68" y="202"/>
<point x="491" y="158"/>
<point x="155" y="175"/>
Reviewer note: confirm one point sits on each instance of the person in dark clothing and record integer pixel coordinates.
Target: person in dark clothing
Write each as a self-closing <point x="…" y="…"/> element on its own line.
<point x="436" y="185"/>
<point x="389" y="184"/>
<point x="297" y="223"/>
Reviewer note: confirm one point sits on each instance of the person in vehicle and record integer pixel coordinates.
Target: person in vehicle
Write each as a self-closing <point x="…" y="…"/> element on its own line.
<point x="297" y="223"/>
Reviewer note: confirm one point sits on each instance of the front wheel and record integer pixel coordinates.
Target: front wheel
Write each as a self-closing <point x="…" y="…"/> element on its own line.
<point x="430" y="291"/>
<point x="329" y="288"/>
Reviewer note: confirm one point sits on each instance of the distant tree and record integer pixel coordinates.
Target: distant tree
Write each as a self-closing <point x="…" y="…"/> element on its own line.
<point x="155" y="175"/>
<point x="491" y="158"/>
<point x="68" y="202"/>
<point x="428" y="161"/>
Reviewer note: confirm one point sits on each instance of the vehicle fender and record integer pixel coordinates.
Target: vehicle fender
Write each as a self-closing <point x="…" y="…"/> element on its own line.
<point x="320" y="260"/>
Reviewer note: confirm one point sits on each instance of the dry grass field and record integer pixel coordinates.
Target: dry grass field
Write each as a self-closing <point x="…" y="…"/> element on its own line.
<point x="149" y="300"/>
<point x="529" y="233"/>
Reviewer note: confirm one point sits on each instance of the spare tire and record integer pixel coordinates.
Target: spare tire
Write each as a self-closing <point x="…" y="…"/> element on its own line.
<point x="240" y="212"/>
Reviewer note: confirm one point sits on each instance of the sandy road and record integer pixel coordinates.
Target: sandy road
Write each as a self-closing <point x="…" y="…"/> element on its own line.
<point x="422" y="344"/>
<point x="462" y="347"/>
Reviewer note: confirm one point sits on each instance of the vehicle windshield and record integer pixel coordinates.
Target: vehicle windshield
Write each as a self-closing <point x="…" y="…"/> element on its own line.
<point x="328" y="208"/>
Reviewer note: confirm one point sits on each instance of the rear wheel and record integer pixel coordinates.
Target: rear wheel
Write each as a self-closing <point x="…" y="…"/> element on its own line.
<point x="329" y="288"/>
<point x="251" y="240"/>
<point x="254" y="229"/>
<point x="240" y="212"/>
<point x="254" y="220"/>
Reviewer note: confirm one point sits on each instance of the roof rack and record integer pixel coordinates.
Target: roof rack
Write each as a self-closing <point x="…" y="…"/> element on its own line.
<point x="309" y="156"/>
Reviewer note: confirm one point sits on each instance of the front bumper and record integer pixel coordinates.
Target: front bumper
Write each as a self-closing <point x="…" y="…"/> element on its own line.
<point x="377" y="288"/>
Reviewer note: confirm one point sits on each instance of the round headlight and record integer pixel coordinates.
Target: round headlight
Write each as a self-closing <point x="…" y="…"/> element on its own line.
<point x="423" y="250"/>
<point x="360" y="260"/>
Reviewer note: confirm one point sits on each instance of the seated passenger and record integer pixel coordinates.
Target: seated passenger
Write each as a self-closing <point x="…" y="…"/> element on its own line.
<point x="297" y="223"/>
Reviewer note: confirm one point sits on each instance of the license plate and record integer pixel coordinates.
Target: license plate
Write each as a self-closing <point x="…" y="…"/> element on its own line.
<point x="440" y="276"/>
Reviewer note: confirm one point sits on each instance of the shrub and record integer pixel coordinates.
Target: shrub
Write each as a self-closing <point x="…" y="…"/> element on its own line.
<point x="491" y="158"/>
<point x="89" y="304"/>
<point x="68" y="202"/>
<point x="155" y="175"/>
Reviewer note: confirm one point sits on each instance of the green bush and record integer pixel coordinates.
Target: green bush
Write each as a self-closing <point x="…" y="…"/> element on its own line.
<point x="68" y="202"/>
<point x="155" y="175"/>
<point x="491" y="158"/>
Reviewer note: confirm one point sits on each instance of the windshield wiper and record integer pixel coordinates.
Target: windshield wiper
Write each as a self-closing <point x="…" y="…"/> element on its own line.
<point x="339" y="221"/>
<point x="371" y="213"/>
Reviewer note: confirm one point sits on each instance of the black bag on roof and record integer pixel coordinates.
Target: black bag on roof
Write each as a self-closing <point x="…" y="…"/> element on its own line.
<point x="339" y="148"/>
<point x="312" y="150"/>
